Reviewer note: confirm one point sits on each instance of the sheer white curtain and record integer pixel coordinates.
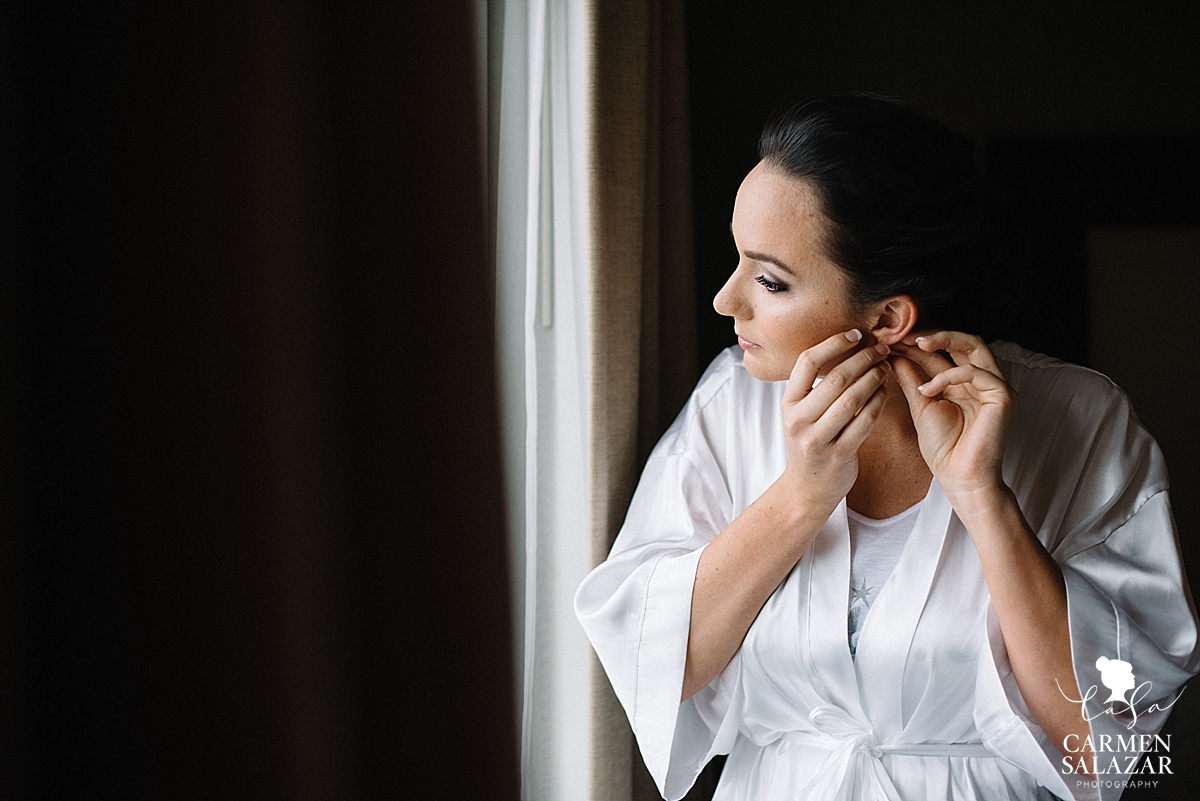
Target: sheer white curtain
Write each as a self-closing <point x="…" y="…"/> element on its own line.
<point x="538" y="123"/>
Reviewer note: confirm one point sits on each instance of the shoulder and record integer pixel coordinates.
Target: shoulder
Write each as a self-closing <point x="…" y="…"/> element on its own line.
<point x="1075" y="435"/>
<point x="1047" y="387"/>
<point x="727" y="377"/>
<point x="1078" y="459"/>
<point x="1040" y="373"/>
<point x="727" y="388"/>
<point x="725" y="406"/>
<point x="1075" y="423"/>
<point x="717" y="378"/>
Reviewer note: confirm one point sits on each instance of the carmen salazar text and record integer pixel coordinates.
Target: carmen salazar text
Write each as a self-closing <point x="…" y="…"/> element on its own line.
<point x="1121" y="756"/>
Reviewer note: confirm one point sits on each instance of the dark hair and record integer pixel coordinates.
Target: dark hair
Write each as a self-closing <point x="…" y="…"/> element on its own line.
<point x="904" y="197"/>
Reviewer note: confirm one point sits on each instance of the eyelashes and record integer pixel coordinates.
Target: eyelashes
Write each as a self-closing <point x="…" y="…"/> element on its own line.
<point x="769" y="285"/>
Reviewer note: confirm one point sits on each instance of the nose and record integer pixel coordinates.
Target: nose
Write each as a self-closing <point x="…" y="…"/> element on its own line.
<point x="729" y="301"/>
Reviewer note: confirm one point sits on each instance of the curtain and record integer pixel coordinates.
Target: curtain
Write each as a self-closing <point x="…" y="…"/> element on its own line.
<point x="591" y="203"/>
<point x="538" y="59"/>
<point x="642" y="298"/>
<point x="254" y="523"/>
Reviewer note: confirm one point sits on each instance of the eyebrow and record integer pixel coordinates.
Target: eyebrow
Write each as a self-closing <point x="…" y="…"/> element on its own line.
<point x="770" y="260"/>
<point x="764" y="257"/>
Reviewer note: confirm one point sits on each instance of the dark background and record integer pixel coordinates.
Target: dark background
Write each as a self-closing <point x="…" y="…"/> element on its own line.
<point x="251" y="522"/>
<point x="1084" y="118"/>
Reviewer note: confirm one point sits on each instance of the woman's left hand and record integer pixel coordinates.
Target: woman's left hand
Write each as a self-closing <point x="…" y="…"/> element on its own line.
<point x="962" y="411"/>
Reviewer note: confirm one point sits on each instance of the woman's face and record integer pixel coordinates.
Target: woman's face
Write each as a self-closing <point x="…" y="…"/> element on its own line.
<point x="785" y="295"/>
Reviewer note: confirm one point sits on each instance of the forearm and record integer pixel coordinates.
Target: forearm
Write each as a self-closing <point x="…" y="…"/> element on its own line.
<point x="1030" y="599"/>
<point x="737" y="573"/>
<point x="824" y="426"/>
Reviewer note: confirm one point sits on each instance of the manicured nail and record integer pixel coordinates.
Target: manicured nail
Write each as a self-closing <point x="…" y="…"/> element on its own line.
<point x="921" y="388"/>
<point x="883" y="349"/>
<point x="921" y="339"/>
<point x="854" y="335"/>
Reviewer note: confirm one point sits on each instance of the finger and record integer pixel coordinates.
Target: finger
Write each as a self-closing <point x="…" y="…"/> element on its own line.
<point x="810" y="362"/>
<point x="911" y="337"/>
<point x="856" y="431"/>
<point x="910" y="376"/>
<point x="931" y="362"/>
<point x="838" y="414"/>
<point x="840" y="379"/>
<point x="964" y="348"/>
<point x="981" y="379"/>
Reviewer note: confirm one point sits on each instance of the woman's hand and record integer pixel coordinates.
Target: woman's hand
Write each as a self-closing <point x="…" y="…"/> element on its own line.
<point x="962" y="411"/>
<point x="748" y="561"/>
<point x="826" y="424"/>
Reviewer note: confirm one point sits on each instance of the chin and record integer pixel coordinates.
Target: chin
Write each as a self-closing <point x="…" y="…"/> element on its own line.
<point x="762" y="369"/>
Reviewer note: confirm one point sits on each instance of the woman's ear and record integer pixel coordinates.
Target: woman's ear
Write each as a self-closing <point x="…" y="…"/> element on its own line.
<point x="893" y="319"/>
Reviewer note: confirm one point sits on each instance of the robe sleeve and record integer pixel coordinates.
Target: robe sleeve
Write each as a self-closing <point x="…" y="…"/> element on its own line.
<point x="636" y="606"/>
<point x="1110" y="529"/>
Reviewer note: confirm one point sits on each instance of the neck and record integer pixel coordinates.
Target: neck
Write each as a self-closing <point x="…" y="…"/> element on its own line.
<point x="892" y="474"/>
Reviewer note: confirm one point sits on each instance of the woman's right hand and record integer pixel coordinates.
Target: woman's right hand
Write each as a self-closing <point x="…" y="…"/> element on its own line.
<point x="826" y="424"/>
<point x="747" y="561"/>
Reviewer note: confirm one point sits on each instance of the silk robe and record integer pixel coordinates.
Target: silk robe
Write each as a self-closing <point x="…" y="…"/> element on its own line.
<point x="929" y="708"/>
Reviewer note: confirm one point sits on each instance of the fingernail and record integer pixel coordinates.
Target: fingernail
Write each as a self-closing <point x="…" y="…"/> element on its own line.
<point x="921" y="339"/>
<point x="854" y="335"/>
<point x="883" y="349"/>
<point x="922" y="388"/>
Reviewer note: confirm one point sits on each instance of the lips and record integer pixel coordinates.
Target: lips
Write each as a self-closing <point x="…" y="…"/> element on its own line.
<point x="747" y="344"/>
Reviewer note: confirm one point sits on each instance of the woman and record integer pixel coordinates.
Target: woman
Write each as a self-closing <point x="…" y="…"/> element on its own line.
<point x="873" y="557"/>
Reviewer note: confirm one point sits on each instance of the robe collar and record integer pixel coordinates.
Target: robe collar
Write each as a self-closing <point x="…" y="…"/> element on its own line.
<point x="866" y="686"/>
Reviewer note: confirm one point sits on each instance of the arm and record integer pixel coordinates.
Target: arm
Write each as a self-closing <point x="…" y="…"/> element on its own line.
<point x="745" y="563"/>
<point x="962" y="414"/>
<point x="1030" y="600"/>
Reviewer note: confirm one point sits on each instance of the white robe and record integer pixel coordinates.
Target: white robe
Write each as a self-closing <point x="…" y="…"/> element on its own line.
<point x="929" y="708"/>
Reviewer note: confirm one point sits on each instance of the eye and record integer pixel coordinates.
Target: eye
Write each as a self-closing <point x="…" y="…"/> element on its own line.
<point x="770" y="285"/>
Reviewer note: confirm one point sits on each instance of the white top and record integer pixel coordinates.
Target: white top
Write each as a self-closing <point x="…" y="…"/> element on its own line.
<point x="929" y="702"/>
<point x="875" y="548"/>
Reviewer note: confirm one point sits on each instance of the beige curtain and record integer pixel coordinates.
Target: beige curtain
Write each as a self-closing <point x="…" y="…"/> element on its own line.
<point x="643" y="345"/>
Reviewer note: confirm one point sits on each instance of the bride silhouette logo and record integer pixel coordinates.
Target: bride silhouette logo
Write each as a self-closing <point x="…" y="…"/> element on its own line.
<point x="1117" y="676"/>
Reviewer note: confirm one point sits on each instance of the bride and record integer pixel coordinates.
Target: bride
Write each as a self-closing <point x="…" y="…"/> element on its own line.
<point x="875" y="557"/>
